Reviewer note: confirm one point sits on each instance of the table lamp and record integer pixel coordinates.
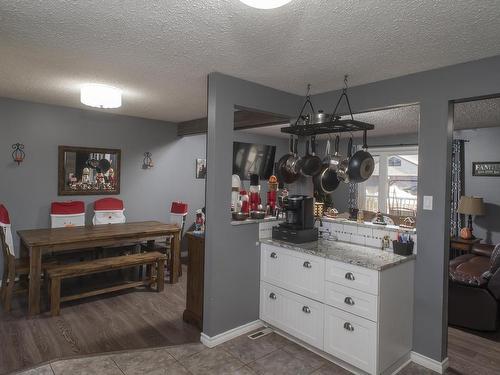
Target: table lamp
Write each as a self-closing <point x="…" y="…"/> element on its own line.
<point x="471" y="206"/>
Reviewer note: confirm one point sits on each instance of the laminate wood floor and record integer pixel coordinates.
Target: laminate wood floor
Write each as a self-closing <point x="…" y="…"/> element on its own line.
<point x="473" y="353"/>
<point x="135" y="319"/>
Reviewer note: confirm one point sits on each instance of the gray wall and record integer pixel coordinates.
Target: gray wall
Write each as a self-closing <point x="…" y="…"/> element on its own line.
<point x="231" y="254"/>
<point x="231" y="268"/>
<point x="483" y="146"/>
<point x="433" y="90"/>
<point x="27" y="190"/>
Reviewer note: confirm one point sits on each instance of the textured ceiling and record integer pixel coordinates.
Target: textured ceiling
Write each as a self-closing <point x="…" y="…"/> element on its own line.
<point x="160" y="52"/>
<point x="402" y="120"/>
<point x="483" y="113"/>
<point x="477" y="114"/>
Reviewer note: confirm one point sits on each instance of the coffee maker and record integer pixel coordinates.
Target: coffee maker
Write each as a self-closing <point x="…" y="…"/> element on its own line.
<point x="299" y="220"/>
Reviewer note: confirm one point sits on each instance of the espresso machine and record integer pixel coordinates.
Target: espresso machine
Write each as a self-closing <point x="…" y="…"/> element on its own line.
<point x="299" y="220"/>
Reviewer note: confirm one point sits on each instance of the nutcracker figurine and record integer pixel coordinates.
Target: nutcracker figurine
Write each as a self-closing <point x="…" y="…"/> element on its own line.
<point x="254" y="197"/>
<point x="199" y="224"/>
<point x="272" y="194"/>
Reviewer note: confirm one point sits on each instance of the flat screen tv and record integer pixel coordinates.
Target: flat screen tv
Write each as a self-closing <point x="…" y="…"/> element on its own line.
<point x="251" y="158"/>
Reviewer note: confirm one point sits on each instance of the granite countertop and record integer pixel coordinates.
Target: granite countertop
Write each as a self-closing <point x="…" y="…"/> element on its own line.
<point x="363" y="256"/>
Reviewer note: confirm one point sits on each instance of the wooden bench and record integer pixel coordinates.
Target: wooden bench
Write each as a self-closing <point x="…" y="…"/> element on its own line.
<point x="58" y="273"/>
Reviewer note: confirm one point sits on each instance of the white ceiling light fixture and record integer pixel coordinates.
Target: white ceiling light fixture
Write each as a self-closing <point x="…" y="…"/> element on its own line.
<point x="101" y="96"/>
<point x="265" y="4"/>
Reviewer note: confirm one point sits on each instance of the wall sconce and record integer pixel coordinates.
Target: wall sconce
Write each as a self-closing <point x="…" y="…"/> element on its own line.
<point x="18" y="154"/>
<point x="147" y="163"/>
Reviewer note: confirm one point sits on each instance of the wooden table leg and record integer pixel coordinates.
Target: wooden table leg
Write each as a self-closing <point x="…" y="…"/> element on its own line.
<point x="175" y="258"/>
<point x="34" y="287"/>
<point x="23" y="250"/>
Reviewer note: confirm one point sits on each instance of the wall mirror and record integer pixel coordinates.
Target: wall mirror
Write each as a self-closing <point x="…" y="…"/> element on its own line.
<point x="88" y="171"/>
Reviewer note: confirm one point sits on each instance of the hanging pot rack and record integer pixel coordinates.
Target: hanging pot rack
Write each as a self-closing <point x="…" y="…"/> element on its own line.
<point x="335" y="123"/>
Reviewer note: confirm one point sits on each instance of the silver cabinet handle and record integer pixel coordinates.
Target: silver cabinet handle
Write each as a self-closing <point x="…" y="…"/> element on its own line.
<point x="274" y="255"/>
<point x="349" y="301"/>
<point x="307" y="265"/>
<point x="349" y="276"/>
<point x="348" y="326"/>
<point x="272" y="296"/>
<point x="306" y="309"/>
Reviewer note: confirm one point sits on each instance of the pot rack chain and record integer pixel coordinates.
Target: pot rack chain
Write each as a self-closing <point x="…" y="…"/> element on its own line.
<point x="307" y="101"/>
<point x="343" y="95"/>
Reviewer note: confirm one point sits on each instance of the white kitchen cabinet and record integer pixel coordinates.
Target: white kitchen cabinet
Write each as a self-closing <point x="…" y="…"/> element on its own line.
<point x="352" y="300"/>
<point x="300" y="316"/>
<point x="353" y="314"/>
<point x="352" y="276"/>
<point x="292" y="270"/>
<point x="351" y="338"/>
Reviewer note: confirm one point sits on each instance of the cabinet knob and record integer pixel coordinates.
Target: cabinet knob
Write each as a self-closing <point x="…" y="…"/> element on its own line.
<point x="272" y="296"/>
<point x="348" y="326"/>
<point x="306" y="309"/>
<point x="349" y="276"/>
<point x="307" y="265"/>
<point x="274" y="255"/>
<point x="349" y="301"/>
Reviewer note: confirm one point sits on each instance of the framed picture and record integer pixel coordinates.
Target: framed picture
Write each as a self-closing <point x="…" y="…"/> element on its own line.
<point x="201" y="168"/>
<point x="88" y="171"/>
<point x="486" y="168"/>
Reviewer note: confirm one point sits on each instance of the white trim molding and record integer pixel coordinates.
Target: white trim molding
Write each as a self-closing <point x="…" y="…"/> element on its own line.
<point x="431" y="364"/>
<point x="231" y="334"/>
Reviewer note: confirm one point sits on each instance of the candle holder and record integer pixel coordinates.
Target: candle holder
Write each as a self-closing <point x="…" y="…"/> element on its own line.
<point x="147" y="163"/>
<point x="18" y="154"/>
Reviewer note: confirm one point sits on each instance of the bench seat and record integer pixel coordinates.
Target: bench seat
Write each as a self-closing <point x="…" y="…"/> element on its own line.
<point x="58" y="273"/>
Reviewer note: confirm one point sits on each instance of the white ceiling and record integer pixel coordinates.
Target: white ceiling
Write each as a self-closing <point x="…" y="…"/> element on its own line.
<point x="483" y="113"/>
<point x="160" y="52"/>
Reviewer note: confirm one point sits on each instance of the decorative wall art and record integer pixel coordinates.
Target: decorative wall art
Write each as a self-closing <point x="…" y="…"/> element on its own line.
<point x="201" y="168"/>
<point x="486" y="168"/>
<point x="18" y="154"/>
<point x="88" y="171"/>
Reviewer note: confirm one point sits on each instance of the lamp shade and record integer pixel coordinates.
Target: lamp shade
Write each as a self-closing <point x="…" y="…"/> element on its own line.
<point x="471" y="206"/>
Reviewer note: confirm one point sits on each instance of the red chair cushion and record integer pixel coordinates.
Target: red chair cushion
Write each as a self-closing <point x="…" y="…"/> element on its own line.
<point x="108" y="204"/>
<point x="4" y="215"/>
<point x="67" y="208"/>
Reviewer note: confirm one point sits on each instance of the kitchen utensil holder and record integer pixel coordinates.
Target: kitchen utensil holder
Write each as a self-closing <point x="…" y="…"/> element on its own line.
<point x="402" y="248"/>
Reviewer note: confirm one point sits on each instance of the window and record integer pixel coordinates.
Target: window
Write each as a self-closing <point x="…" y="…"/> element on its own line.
<point x="392" y="189"/>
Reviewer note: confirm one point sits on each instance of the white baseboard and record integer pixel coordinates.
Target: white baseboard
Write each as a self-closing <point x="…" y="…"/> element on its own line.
<point x="430" y="363"/>
<point x="231" y="334"/>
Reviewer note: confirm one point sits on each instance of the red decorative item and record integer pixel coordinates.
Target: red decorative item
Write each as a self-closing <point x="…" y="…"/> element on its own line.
<point x="67" y="208"/>
<point x="108" y="204"/>
<point x="179" y="208"/>
<point x="466" y="233"/>
<point x="4" y="215"/>
<point x="245" y="205"/>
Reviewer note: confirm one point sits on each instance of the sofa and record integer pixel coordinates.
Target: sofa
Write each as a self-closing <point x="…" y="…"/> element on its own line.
<point x="474" y="289"/>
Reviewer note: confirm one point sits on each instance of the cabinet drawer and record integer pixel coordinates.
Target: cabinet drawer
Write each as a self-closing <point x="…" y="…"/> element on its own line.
<point x="352" y="276"/>
<point x="351" y="338"/>
<point x="297" y="272"/>
<point x="351" y="300"/>
<point x="297" y="315"/>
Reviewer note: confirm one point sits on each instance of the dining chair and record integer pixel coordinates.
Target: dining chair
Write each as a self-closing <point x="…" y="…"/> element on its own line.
<point x="108" y="211"/>
<point x="13" y="268"/>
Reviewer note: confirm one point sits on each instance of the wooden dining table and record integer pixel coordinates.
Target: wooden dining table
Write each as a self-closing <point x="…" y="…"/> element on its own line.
<point x="36" y="242"/>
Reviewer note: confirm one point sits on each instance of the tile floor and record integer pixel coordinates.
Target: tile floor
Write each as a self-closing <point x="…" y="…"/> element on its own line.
<point x="271" y="354"/>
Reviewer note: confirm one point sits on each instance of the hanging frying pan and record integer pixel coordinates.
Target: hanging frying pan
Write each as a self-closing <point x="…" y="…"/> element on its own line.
<point x="361" y="164"/>
<point x="311" y="163"/>
<point x="282" y="172"/>
<point x="326" y="180"/>
<point x="343" y="167"/>
<point x="294" y="164"/>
